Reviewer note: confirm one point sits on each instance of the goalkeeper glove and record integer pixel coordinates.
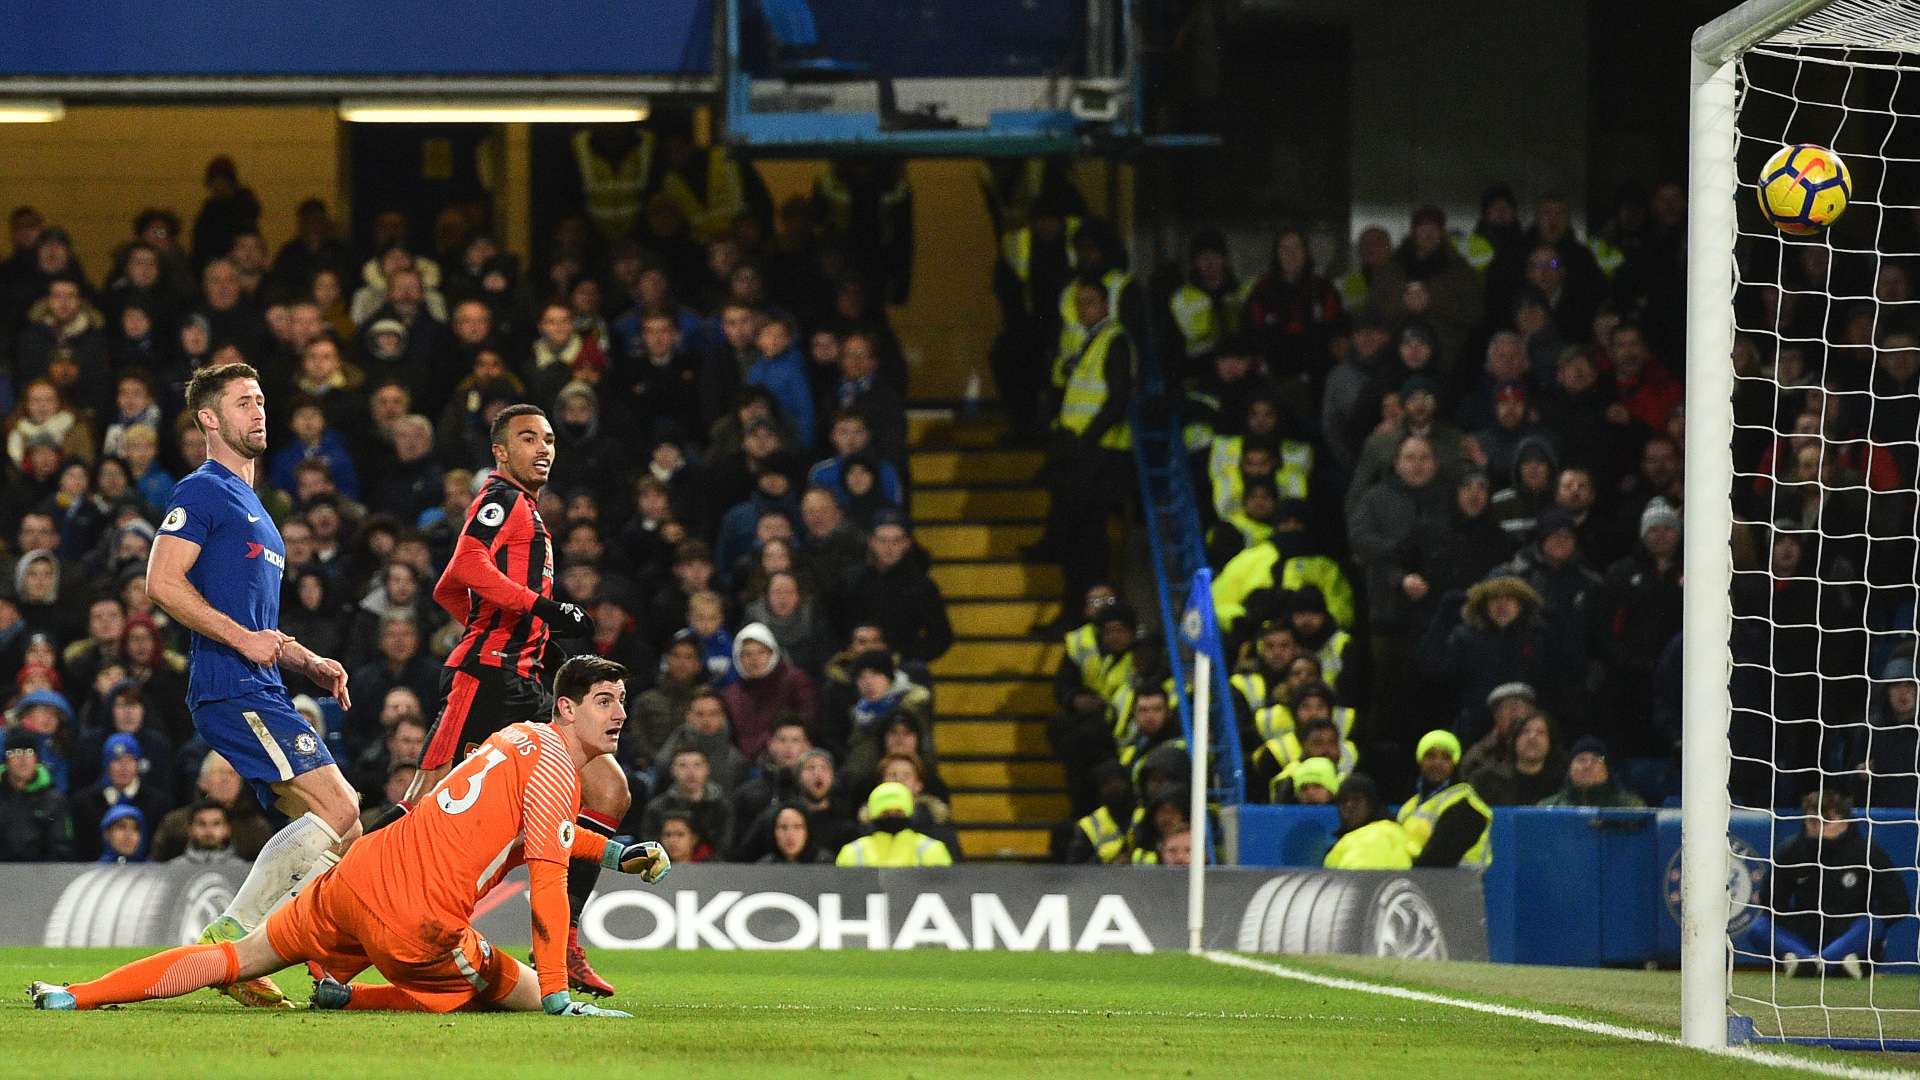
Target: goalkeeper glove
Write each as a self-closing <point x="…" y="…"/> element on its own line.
<point x="646" y="858"/>
<point x="560" y="1003"/>
<point x="565" y="620"/>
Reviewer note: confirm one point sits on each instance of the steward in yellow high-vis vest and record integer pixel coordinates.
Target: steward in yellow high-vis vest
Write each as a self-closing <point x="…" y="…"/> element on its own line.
<point x="1208" y="306"/>
<point x="706" y="183"/>
<point x="1316" y="737"/>
<point x="1260" y="675"/>
<point x="1099" y="379"/>
<point x="1287" y="561"/>
<point x="1088" y="690"/>
<point x="1368" y="838"/>
<point x="1447" y="822"/>
<point x="1098" y="256"/>
<point x="1102" y="836"/>
<point x="893" y="841"/>
<point x="1082" y="642"/>
<point x="614" y="162"/>
<point x="1317" y="632"/>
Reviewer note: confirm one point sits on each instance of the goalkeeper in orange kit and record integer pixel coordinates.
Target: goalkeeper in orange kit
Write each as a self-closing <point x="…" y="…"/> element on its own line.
<point x="402" y="899"/>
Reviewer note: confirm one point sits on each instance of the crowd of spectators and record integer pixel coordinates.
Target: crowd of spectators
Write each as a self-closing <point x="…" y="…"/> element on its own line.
<point x="1443" y="490"/>
<point x="727" y="500"/>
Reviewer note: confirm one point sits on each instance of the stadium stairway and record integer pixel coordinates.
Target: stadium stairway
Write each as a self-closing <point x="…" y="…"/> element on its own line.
<point x="974" y="506"/>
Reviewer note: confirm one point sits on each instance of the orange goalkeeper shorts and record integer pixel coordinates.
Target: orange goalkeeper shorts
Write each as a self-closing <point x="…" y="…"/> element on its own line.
<point x="329" y="925"/>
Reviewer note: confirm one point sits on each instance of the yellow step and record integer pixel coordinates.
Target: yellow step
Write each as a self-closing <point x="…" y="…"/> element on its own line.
<point x="976" y="541"/>
<point x="999" y="658"/>
<point x="1009" y="807"/>
<point x="996" y="698"/>
<point x="998" y="618"/>
<point x="984" y="504"/>
<point x="974" y="466"/>
<point x="1002" y="579"/>
<point x="930" y="429"/>
<point x="1002" y="774"/>
<point x="1005" y="843"/>
<point x="989" y="736"/>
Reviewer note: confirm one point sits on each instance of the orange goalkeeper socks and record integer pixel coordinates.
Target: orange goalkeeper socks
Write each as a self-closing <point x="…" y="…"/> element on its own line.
<point x="162" y="975"/>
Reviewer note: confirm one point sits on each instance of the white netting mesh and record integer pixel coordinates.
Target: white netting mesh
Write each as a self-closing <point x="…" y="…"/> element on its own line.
<point x="1826" y="554"/>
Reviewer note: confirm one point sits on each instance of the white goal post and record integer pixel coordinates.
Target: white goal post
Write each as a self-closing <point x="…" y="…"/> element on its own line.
<point x="1768" y="73"/>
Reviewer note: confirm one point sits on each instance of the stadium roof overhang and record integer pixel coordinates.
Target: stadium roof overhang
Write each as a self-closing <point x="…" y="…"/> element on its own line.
<point x="398" y="51"/>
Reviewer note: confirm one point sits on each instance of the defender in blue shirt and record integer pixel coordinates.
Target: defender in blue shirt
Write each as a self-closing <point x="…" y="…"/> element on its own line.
<point x="215" y="568"/>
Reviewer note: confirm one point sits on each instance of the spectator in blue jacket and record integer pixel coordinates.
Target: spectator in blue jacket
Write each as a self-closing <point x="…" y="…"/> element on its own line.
<point x="782" y="371"/>
<point x="851" y="435"/>
<point x="313" y="439"/>
<point x="48" y="717"/>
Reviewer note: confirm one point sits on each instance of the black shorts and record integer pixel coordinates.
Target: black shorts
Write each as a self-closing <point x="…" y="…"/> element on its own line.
<point x="474" y="704"/>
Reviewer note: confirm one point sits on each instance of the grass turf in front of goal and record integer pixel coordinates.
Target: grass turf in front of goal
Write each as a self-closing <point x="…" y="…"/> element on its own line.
<point x="893" y="1014"/>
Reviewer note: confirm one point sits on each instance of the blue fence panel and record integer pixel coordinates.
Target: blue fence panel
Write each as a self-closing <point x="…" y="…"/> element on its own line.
<point x="1591" y="887"/>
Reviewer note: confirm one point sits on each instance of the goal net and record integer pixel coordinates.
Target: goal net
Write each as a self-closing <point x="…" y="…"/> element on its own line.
<point x="1802" y="751"/>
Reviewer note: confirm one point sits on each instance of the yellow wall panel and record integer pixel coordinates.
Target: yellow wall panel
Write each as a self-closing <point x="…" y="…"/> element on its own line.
<point x="93" y="171"/>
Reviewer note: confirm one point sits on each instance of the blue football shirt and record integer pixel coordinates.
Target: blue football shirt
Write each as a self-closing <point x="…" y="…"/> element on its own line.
<point x="238" y="571"/>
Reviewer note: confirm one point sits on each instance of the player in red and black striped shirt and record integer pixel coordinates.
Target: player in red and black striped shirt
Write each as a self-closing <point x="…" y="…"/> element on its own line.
<point x="500" y="584"/>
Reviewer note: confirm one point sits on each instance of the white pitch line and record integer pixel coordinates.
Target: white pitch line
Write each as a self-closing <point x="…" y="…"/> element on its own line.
<point x="1768" y="1058"/>
<point x="996" y="1010"/>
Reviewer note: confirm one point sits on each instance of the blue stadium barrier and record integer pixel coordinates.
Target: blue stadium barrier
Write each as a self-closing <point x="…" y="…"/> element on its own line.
<point x="1590" y="887"/>
<point x="1180" y="573"/>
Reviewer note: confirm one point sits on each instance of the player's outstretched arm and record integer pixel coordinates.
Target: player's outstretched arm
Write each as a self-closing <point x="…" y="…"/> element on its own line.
<point x="167" y="585"/>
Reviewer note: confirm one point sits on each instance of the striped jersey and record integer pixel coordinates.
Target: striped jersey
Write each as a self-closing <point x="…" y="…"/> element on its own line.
<point x="513" y="800"/>
<point x="502" y="563"/>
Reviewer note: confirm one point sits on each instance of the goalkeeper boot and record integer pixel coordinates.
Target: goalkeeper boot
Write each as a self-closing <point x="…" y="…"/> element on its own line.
<point x="1851" y="964"/>
<point x="260" y="993"/>
<point x="1789" y="966"/>
<point x="330" y="993"/>
<point x="580" y="974"/>
<point x="50" y="996"/>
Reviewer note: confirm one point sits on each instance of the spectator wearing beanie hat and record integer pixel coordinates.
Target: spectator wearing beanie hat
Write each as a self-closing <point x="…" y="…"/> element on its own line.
<point x="1419" y="396"/>
<point x="885" y="695"/>
<point x="123" y="835"/>
<point x="1511" y="424"/>
<point x="1530" y="490"/>
<point x="1638" y="614"/>
<point x="1509" y="703"/>
<point x="1589" y="782"/>
<point x="830" y="817"/>
<point x="34" y="826"/>
<point x="1317" y="632"/>
<point x="123" y="783"/>
<point x="1890" y="750"/>
<point x="1446" y="821"/>
<point x="894" y="841"/>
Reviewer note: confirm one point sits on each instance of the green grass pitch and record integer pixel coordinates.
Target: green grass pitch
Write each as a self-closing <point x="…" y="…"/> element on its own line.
<point x="907" y="1014"/>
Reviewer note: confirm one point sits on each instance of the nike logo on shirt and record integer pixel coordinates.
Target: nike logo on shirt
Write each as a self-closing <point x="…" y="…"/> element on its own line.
<point x="250" y="518"/>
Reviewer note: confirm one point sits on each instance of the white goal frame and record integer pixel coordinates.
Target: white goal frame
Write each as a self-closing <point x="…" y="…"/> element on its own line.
<point x="1706" y="755"/>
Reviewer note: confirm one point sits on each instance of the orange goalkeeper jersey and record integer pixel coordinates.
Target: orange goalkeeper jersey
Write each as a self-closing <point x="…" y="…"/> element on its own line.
<point x="513" y="800"/>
